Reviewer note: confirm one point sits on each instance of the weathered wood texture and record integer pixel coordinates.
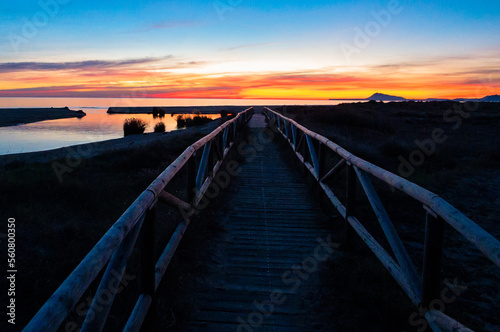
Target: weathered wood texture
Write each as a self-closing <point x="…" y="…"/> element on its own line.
<point x="59" y="305"/>
<point x="421" y="292"/>
<point x="272" y="223"/>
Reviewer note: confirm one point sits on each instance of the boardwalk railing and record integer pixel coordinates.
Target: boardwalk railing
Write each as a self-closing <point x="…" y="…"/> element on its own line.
<point x="311" y="149"/>
<point x="118" y="242"/>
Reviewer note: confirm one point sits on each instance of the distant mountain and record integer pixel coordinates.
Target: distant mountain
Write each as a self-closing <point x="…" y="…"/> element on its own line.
<point x="383" y="97"/>
<point x="492" y="98"/>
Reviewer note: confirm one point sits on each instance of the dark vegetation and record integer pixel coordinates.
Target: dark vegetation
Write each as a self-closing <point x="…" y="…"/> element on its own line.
<point x="158" y="112"/>
<point x="58" y="223"/>
<point x="15" y="116"/>
<point x="134" y="126"/>
<point x="159" y="127"/>
<point x="187" y="120"/>
<point x="464" y="170"/>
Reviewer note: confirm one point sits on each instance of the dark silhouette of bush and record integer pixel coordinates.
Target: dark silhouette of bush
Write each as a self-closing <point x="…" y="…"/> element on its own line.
<point x="134" y="126"/>
<point x="159" y="127"/>
<point x="158" y="112"/>
<point x="187" y="121"/>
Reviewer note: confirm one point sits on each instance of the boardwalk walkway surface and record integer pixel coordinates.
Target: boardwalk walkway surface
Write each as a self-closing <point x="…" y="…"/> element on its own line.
<point x="272" y="226"/>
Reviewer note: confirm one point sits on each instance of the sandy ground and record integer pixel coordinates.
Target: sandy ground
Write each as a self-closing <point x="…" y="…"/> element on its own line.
<point x="15" y="116"/>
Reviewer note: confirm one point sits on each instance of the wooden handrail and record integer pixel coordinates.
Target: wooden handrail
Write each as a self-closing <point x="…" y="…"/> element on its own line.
<point x="465" y="226"/>
<point x="62" y="301"/>
<point x="420" y="290"/>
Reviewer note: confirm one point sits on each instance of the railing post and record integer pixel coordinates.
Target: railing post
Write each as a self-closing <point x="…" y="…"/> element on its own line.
<point x="433" y="252"/>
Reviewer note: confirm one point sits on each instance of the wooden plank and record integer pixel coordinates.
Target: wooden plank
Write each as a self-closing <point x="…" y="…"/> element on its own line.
<point x="390" y="232"/>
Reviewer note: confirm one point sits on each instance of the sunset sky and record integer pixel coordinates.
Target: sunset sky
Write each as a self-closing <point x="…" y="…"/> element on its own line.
<point x="249" y="49"/>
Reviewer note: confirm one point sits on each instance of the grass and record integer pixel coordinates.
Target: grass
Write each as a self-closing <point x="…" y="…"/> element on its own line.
<point x="58" y="223"/>
<point x="158" y="112"/>
<point x="134" y="126"/>
<point x="184" y="121"/>
<point x="159" y="127"/>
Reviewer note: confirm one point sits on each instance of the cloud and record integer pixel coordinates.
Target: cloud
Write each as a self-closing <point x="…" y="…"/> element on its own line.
<point x="8" y="67"/>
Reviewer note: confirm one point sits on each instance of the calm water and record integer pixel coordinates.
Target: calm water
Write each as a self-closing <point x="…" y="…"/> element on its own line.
<point x="97" y="125"/>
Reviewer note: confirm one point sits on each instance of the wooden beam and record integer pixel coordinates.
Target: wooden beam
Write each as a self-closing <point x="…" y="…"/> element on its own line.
<point x="202" y="168"/>
<point x="98" y="312"/>
<point x="139" y="313"/>
<point x="185" y="208"/>
<point x="444" y="323"/>
<point x="390" y="232"/>
<point x="334" y="171"/>
<point x="314" y="157"/>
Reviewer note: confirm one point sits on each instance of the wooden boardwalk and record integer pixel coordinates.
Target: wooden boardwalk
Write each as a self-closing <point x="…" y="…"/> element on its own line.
<point x="263" y="272"/>
<point x="273" y="225"/>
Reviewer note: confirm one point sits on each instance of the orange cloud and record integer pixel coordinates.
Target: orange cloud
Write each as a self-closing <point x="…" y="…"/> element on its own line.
<point x="160" y="77"/>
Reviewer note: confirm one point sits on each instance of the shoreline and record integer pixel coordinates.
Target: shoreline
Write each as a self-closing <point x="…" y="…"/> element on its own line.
<point x="94" y="149"/>
<point x="175" y="109"/>
<point x="16" y="116"/>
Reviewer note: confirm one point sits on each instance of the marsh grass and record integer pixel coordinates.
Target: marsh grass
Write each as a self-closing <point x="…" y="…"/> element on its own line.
<point x="134" y="126"/>
<point x="159" y="127"/>
<point x="185" y="121"/>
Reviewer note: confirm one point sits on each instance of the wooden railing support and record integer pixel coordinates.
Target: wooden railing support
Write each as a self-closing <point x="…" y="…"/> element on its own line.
<point x="439" y="211"/>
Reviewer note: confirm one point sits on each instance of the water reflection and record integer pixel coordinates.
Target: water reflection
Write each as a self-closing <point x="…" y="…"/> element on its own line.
<point x="96" y="126"/>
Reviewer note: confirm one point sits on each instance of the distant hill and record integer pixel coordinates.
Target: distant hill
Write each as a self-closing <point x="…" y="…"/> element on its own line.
<point x="495" y="98"/>
<point x="492" y="98"/>
<point x="384" y="97"/>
